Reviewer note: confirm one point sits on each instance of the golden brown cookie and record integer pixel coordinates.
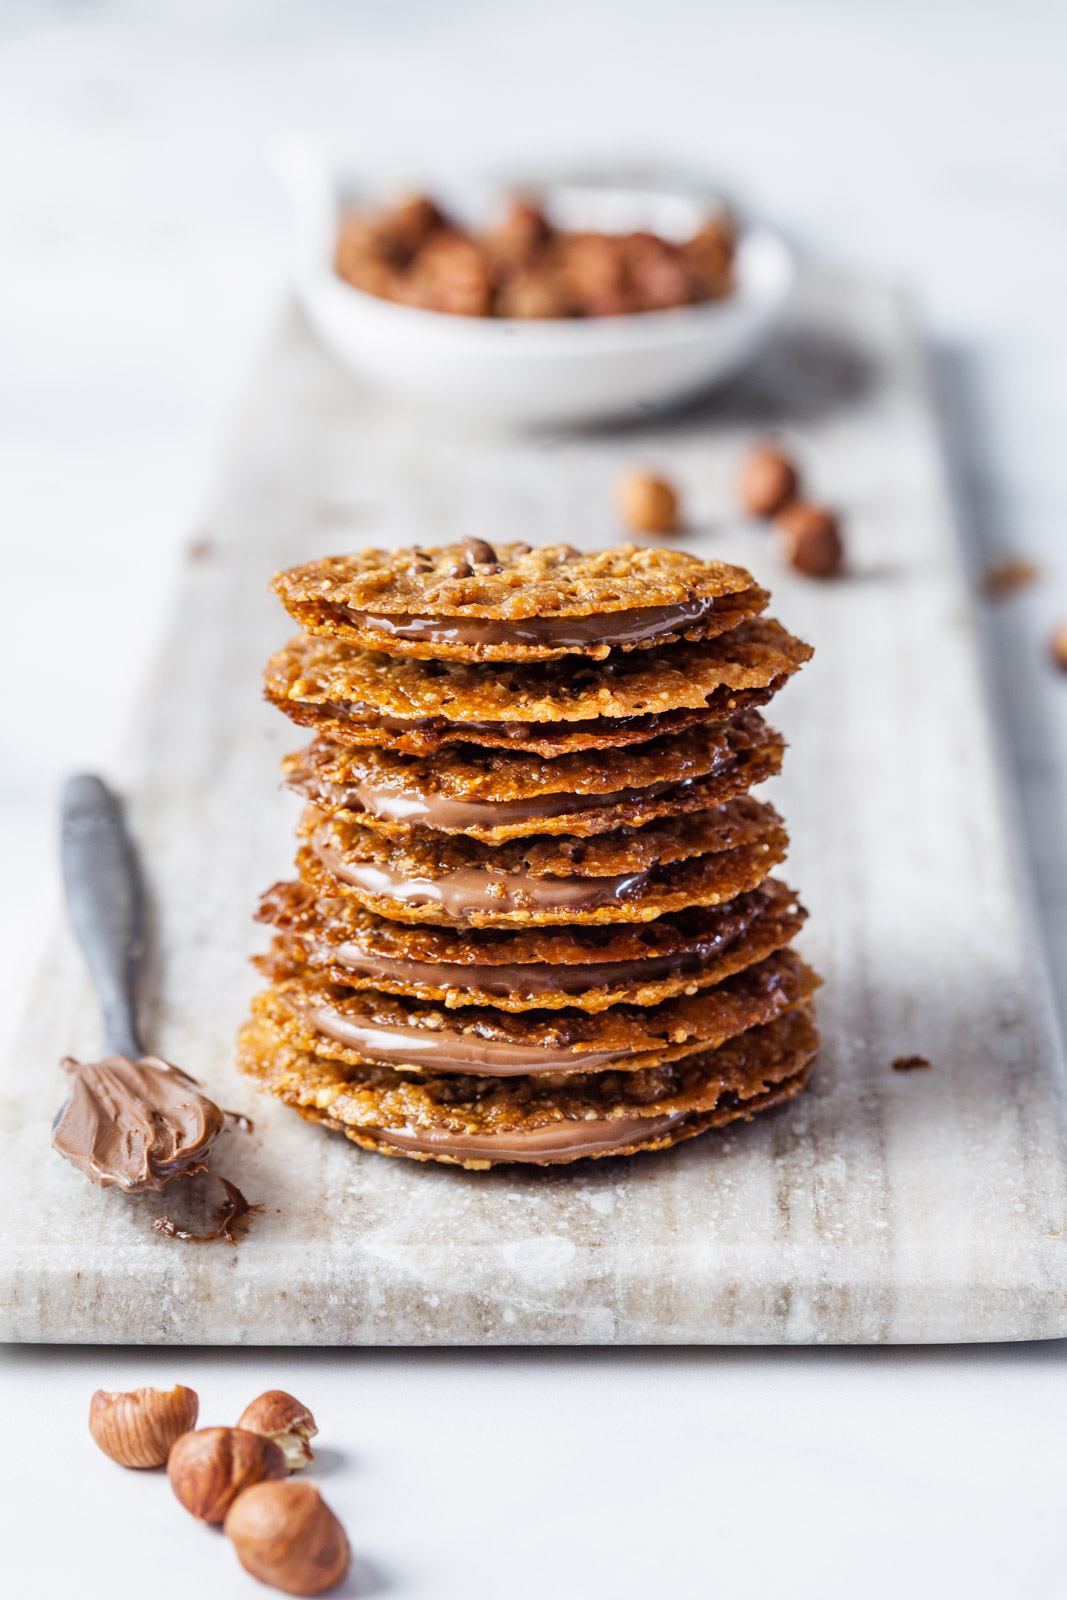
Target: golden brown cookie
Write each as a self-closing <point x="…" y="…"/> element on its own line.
<point x="494" y="795"/>
<point x="368" y="1028"/>
<point x="475" y="602"/>
<point x="479" y="1122"/>
<point x="535" y="968"/>
<point x="362" y="696"/>
<point x="632" y="875"/>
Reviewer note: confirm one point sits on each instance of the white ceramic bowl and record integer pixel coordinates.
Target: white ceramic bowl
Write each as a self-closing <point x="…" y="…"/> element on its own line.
<point x="519" y="372"/>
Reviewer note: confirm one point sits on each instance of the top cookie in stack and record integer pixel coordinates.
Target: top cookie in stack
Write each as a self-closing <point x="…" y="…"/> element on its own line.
<point x="533" y="919"/>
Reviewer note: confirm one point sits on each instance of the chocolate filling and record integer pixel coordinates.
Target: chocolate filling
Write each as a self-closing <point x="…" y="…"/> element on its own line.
<point x="446" y="1050"/>
<point x="395" y="804"/>
<point x="643" y="623"/>
<point x="528" y="981"/>
<point x="558" y="1141"/>
<point x="472" y="891"/>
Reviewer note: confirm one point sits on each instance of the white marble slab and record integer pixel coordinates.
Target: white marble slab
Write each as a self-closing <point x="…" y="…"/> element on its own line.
<point x="881" y="1207"/>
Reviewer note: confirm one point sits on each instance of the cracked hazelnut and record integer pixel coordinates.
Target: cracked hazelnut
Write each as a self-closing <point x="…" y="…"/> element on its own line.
<point x="810" y="540"/>
<point x="286" y="1535"/>
<point x="209" y="1469"/>
<point x="768" y="481"/>
<point x="137" y="1429"/>
<point x="648" y="504"/>
<point x="276" y="1415"/>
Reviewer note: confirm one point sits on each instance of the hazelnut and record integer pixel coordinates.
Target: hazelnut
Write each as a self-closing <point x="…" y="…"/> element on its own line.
<point x="768" y="481"/>
<point x="276" y="1415"/>
<point x="208" y="1469"/>
<point x="286" y="1535"/>
<point x="478" y="553"/>
<point x="810" y="539"/>
<point x="648" y="504"/>
<point x="1058" y="646"/>
<point x="137" y="1429"/>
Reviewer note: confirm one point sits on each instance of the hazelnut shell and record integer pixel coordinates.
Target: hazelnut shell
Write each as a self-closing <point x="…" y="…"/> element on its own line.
<point x="769" y="481"/>
<point x="286" y="1536"/>
<point x="648" y="504"/>
<point x="810" y="540"/>
<point x="208" y="1469"/>
<point x="138" y="1428"/>
<point x="281" y="1417"/>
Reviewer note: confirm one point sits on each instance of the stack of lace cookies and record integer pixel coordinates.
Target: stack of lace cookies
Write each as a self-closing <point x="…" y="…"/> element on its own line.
<point x="533" y="919"/>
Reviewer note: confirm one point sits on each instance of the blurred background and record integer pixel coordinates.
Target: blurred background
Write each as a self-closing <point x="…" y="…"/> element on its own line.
<point x="144" y="253"/>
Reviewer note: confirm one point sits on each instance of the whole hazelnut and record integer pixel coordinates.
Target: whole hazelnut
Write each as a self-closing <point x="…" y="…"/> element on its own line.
<point x="1058" y="646"/>
<point x="648" y="504"/>
<point x="137" y="1429"/>
<point x="478" y="553"/>
<point x="208" y="1469"/>
<point x="276" y="1415"/>
<point x="286" y="1535"/>
<point x="768" y="481"/>
<point x="810" y="539"/>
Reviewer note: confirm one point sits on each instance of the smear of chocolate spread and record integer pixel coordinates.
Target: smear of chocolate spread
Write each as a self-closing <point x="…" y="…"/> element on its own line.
<point x="135" y="1124"/>
<point x="232" y="1219"/>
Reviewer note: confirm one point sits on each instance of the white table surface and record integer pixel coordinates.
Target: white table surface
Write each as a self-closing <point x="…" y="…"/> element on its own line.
<point x="142" y="258"/>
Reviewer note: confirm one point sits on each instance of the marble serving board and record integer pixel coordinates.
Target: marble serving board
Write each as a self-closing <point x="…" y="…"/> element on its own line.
<point x="882" y="1206"/>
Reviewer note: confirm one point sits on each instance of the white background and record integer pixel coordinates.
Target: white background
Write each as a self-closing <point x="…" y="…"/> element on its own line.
<point x="142" y="262"/>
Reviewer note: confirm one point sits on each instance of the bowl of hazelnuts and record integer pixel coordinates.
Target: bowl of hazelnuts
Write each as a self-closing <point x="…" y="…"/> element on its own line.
<point x="536" y="304"/>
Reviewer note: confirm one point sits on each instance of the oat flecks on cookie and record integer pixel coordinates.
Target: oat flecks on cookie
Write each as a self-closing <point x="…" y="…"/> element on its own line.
<point x="523" y="969"/>
<point x="478" y="602"/>
<point x="312" y="672"/>
<point x="534" y="920"/>
<point x="317" y="1014"/>
<point x="760" y="1067"/>
<point x="501" y="797"/>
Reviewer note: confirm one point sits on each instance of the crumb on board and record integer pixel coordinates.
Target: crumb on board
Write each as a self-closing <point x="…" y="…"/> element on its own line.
<point x="910" y="1063"/>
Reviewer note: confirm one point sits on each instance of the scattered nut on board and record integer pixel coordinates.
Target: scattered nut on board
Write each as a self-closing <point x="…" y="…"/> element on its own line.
<point x="1058" y="646"/>
<point x="286" y="1536"/>
<point x="137" y="1428"/>
<point x="278" y="1416"/>
<point x="1007" y="577"/>
<point x="208" y="1469"/>
<point x="648" y="504"/>
<point x="768" y="481"/>
<point x="810" y="539"/>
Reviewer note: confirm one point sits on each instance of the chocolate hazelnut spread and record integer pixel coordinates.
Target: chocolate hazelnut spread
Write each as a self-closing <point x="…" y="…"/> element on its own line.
<point x="468" y="890"/>
<point x="396" y="804"/>
<point x="559" y="1140"/>
<point x="638" y="625"/>
<point x="135" y="1124"/>
<point x="448" y="1050"/>
<point x="526" y="980"/>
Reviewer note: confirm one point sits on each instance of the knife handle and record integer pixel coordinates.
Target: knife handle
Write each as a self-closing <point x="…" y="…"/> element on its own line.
<point x="105" y="903"/>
